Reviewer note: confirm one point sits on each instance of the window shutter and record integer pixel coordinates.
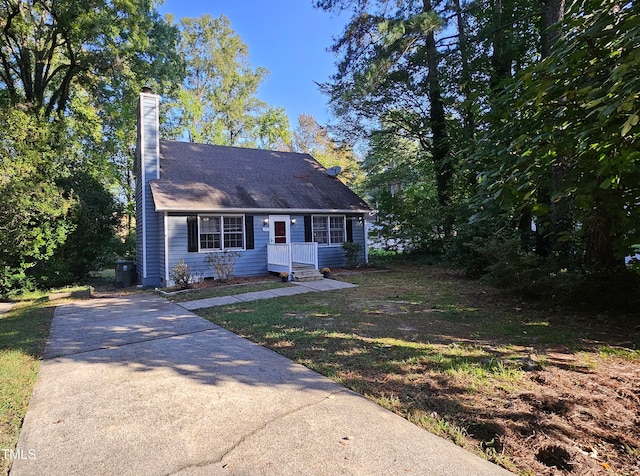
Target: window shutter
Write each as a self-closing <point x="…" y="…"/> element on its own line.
<point x="248" y="224"/>
<point x="192" y="234"/>
<point x="350" y="230"/>
<point x="308" y="235"/>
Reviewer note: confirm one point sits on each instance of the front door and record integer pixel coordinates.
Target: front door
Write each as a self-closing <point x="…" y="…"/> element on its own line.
<point x="279" y="228"/>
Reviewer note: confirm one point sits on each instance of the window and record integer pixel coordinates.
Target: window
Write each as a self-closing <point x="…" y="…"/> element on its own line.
<point x="328" y="230"/>
<point x="320" y="234"/>
<point x="221" y="232"/>
<point x="209" y="233"/>
<point x="233" y="231"/>
<point x="336" y="229"/>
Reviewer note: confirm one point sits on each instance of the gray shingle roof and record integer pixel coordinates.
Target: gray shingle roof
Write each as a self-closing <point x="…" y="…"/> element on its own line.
<point x="199" y="177"/>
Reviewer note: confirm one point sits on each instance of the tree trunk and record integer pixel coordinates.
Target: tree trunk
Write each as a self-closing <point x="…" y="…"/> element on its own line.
<point x="598" y="238"/>
<point x="440" y="147"/>
<point x="500" y="60"/>
<point x="468" y="119"/>
<point x="552" y="12"/>
<point x="560" y="220"/>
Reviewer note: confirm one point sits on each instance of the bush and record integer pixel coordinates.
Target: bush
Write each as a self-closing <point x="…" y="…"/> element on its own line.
<point x="465" y="249"/>
<point x="181" y="275"/>
<point x="224" y="262"/>
<point x="351" y="251"/>
<point x="509" y="266"/>
<point x="610" y="290"/>
<point x="384" y="258"/>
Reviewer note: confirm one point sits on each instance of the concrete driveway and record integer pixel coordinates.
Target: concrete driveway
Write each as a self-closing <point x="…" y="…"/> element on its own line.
<point x="139" y="386"/>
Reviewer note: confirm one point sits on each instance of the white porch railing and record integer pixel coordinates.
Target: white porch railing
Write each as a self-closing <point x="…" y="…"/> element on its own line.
<point x="305" y="253"/>
<point x="281" y="256"/>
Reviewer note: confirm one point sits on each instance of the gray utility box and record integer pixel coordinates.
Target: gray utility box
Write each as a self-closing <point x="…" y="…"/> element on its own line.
<point x="125" y="273"/>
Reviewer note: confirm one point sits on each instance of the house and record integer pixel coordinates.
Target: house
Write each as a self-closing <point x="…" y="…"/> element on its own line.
<point x="278" y="211"/>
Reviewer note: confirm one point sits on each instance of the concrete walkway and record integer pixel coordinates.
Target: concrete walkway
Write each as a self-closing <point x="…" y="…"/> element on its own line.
<point x="5" y="307"/>
<point x="137" y="385"/>
<point x="299" y="288"/>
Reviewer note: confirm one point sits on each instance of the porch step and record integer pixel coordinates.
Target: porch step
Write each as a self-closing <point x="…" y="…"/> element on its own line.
<point x="304" y="272"/>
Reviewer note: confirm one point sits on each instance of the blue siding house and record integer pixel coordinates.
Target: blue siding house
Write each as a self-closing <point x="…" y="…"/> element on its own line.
<point x="278" y="211"/>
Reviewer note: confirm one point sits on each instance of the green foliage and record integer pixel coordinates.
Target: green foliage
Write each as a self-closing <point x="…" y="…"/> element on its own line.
<point x="542" y="126"/>
<point x="501" y="261"/>
<point x="417" y="100"/>
<point x="389" y="73"/>
<point x="400" y="180"/>
<point x="351" y="252"/>
<point x="612" y="290"/>
<point x="273" y="129"/>
<point x="93" y="244"/>
<point x="52" y="48"/>
<point x="463" y="251"/>
<point x="309" y="137"/>
<point x="575" y="112"/>
<point x="35" y="210"/>
<point x="217" y="102"/>
<point x="69" y="78"/>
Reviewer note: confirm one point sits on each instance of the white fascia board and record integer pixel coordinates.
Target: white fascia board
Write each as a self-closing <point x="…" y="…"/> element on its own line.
<point x="265" y="211"/>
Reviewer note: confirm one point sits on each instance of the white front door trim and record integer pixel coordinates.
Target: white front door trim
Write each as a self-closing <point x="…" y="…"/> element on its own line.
<point x="272" y="230"/>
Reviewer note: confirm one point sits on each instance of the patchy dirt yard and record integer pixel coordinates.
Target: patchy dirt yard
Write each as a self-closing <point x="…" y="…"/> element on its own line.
<point x="539" y="391"/>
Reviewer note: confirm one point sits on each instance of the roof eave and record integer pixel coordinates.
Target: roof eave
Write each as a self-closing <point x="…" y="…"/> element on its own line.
<point x="263" y="210"/>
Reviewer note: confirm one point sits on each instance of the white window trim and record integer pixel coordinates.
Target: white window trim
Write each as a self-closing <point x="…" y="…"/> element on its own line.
<point x="222" y="217"/>
<point x="328" y="217"/>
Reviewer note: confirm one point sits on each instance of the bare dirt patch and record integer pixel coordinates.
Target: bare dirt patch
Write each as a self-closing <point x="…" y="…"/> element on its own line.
<point x="569" y="420"/>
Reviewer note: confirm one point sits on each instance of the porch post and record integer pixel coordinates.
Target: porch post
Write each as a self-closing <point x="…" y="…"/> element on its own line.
<point x="315" y="254"/>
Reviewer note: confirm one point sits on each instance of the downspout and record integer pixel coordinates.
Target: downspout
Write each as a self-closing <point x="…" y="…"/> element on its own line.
<point x="166" y="249"/>
<point x="366" y="239"/>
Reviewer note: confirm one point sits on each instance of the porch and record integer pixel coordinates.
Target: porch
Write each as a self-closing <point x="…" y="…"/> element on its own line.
<point x="293" y="258"/>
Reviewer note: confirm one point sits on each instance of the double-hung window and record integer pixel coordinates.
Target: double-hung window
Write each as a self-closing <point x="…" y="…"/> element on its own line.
<point x="328" y="230"/>
<point x="221" y="232"/>
<point x="233" y="232"/>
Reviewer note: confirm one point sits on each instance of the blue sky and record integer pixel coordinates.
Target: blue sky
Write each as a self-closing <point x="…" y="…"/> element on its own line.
<point x="288" y="37"/>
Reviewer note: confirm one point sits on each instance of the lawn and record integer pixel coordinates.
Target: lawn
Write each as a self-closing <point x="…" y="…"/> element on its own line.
<point x="535" y="390"/>
<point x="23" y="335"/>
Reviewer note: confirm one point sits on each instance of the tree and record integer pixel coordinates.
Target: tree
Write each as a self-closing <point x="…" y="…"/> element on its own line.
<point x="64" y="70"/>
<point x="401" y="184"/>
<point x="51" y="47"/>
<point x="274" y="131"/>
<point x="96" y="216"/>
<point x="309" y="137"/>
<point x="217" y="101"/>
<point x="390" y="67"/>
<point x="33" y="215"/>
<point x="577" y="108"/>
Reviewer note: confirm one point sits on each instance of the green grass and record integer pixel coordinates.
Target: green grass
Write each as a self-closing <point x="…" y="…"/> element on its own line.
<point x="23" y="335"/>
<point x="225" y="290"/>
<point x="620" y="352"/>
<point x="423" y="342"/>
<point x="51" y="295"/>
